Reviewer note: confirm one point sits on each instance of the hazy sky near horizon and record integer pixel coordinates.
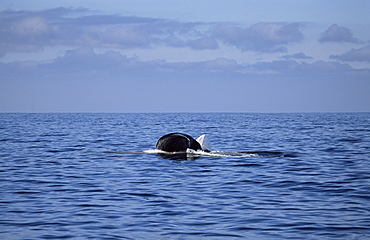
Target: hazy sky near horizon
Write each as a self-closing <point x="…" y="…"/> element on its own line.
<point x="184" y="56"/>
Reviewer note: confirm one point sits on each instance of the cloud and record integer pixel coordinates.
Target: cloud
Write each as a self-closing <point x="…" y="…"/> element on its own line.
<point x="31" y="31"/>
<point x="361" y="55"/>
<point x="260" y="37"/>
<point x="26" y="31"/>
<point x="85" y="59"/>
<point x="83" y="62"/>
<point x="174" y="41"/>
<point x="203" y="43"/>
<point x="299" y="55"/>
<point x="115" y="61"/>
<point x="339" y="34"/>
<point x="293" y="68"/>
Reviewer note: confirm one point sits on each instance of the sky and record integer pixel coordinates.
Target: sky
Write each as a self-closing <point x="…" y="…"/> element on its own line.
<point x="262" y="56"/>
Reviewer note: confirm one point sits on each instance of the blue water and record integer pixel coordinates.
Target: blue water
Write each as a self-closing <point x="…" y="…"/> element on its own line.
<point x="84" y="176"/>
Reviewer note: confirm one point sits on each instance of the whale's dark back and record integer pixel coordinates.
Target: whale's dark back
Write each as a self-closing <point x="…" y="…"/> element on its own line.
<point x="177" y="142"/>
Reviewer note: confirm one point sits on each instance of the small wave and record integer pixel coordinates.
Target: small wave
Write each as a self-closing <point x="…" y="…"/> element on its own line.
<point x="125" y="152"/>
<point x="220" y="153"/>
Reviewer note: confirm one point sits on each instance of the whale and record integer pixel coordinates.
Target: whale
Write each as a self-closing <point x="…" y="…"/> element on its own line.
<point x="180" y="142"/>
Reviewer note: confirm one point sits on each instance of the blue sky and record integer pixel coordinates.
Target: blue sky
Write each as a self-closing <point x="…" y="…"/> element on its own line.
<point x="184" y="56"/>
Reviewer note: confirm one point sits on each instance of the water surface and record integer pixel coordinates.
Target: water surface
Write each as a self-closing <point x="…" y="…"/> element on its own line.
<point x="84" y="176"/>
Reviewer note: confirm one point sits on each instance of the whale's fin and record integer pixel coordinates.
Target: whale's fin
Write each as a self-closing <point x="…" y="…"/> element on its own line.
<point x="204" y="143"/>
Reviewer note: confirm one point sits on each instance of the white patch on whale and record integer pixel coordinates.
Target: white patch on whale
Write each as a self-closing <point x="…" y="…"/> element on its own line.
<point x="204" y="142"/>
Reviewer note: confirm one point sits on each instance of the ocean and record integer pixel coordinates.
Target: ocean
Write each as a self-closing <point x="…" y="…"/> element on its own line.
<point x="268" y="176"/>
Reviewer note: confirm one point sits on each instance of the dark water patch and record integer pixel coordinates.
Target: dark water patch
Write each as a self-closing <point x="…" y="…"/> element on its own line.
<point x="27" y="192"/>
<point x="350" y="140"/>
<point x="146" y="195"/>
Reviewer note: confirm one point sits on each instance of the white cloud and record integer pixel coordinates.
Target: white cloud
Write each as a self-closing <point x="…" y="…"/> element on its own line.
<point x="260" y="37"/>
<point x="31" y="31"/>
<point x="32" y="26"/>
<point x="80" y="27"/>
<point x="339" y="34"/>
<point x="293" y="68"/>
<point x="203" y="43"/>
<point x="360" y="55"/>
<point x="85" y="60"/>
<point x="299" y="55"/>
